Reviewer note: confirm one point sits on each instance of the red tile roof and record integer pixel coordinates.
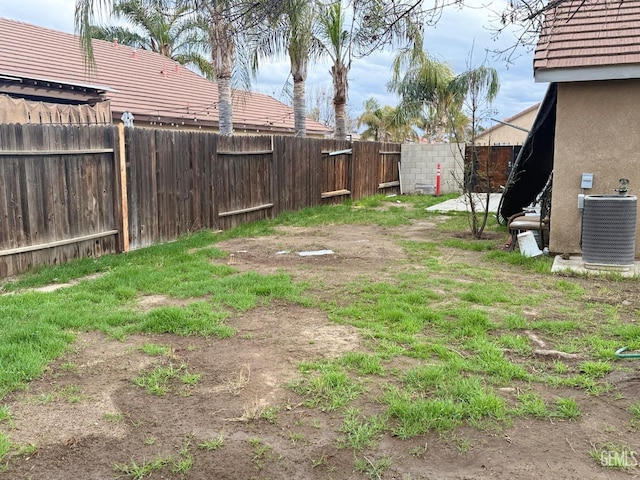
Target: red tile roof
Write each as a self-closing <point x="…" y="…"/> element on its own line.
<point x="591" y="33"/>
<point x="152" y="87"/>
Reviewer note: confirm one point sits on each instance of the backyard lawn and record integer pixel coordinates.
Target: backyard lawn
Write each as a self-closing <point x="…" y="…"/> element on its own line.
<point x="409" y="351"/>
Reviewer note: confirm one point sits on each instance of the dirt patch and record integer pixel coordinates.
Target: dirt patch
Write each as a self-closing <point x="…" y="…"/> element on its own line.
<point x="86" y="414"/>
<point x="147" y="303"/>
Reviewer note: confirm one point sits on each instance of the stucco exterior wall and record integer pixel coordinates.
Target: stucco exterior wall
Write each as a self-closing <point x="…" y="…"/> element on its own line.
<point x="419" y="164"/>
<point x="597" y="131"/>
<point x="506" y="135"/>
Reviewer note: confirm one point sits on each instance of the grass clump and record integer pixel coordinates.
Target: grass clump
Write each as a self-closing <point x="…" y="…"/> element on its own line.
<point x="372" y="468"/>
<point x="136" y="472"/>
<point x="435" y="400"/>
<point x="158" y="381"/>
<point x="212" y="443"/>
<point x="156" y="350"/>
<point x="611" y="455"/>
<point x="5" y="446"/>
<point x="360" y="434"/>
<point x="327" y="386"/>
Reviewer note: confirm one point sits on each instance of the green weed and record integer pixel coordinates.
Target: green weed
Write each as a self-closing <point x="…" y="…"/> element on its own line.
<point x="158" y="380"/>
<point x="595" y="369"/>
<point x="5" y="415"/>
<point x="531" y="403"/>
<point x="137" y="472"/>
<point x="156" y="350"/>
<point x="71" y="394"/>
<point x="364" y="363"/>
<point x="5" y="446"/>
<point x="212" y="443"/>
<point x="371" y="468"/>
<point x="360" y="434"/>
<point x="473" y="245"/>
<point x="113" y="417"/>
<point x="270" y="414"/>
<point x="566" y="408"/>
<point x="328" y="389"/>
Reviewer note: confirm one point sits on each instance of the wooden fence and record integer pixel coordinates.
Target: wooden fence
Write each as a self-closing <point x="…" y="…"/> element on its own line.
<point x="82" y="191"/>
<point x="491" y="166"/>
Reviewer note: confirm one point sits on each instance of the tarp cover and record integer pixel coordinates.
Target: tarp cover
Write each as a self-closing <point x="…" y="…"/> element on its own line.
<point x="19" y="110"/>
<point x="534" y="163"/>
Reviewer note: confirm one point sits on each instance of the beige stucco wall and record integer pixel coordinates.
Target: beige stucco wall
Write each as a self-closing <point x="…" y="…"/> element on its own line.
<point x="506" y="135"/>
<point x="597" y="131"/>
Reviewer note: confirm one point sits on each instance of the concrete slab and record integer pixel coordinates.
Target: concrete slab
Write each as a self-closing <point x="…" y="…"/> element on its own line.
<point x="575" y="264"/>
<point x="460" y="204"/>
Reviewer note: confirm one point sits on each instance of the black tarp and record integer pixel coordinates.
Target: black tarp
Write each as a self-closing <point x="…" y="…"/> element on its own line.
<point x="534" y="163"/>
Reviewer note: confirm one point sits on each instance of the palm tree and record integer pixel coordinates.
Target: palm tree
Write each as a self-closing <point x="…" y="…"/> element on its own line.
<point x="475" y="88"/>
<point x="165" y="28"/>
<point x="346" y="33"/>
<point x="226" y="22"/>
<point x="424" y="86"/>
<point x="336" y="42"/>
<point x="384" y="124"/>
<point x="292" y="32"/>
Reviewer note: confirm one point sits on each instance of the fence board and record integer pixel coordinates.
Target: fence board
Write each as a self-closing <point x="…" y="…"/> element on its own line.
<point x="51" y="203"/>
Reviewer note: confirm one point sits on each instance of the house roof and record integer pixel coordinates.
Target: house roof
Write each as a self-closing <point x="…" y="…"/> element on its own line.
<point x="44" y="89"/>
<point x="589" y="40"/>
<point x="151" y="86"/>
<point x="510" y="119"/>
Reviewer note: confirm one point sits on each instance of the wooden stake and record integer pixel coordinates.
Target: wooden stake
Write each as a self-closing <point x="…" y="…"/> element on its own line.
<point x="123" y="188"/>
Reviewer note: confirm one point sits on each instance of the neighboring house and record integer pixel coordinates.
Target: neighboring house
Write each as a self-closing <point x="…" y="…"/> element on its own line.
<point x="512" y="130"/>
<point x="591" y="50"/>
<point x="158" y="91"/>
<point x="31" y="100"/>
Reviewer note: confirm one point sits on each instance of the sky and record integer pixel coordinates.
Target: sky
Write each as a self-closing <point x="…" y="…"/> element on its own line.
<point x="456" y="34"/>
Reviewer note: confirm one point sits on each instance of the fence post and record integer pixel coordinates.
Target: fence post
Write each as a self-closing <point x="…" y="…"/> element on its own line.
<point x="122" y="155"/>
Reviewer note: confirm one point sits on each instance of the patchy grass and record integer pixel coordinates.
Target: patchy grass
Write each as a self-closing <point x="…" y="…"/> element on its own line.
<point x="442" y="338"/>
<point x="158" y="381"/>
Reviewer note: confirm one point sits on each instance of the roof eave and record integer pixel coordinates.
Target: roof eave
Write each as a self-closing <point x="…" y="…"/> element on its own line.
<point x="586" y="74"/>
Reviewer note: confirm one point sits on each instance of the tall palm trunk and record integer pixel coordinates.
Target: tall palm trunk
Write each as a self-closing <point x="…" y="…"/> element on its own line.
<point x="339" y="72"/>
<point x="299" y="106"/>
<point x="223" y="53"/>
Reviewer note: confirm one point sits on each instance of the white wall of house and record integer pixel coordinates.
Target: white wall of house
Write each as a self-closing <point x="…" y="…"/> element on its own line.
<point x="419" y="164"/>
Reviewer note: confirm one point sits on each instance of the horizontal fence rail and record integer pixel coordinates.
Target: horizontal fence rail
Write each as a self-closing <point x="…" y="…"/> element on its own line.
<point x="82" y="191"/>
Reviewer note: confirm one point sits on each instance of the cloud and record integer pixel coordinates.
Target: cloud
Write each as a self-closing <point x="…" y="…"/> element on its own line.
<point x="54" y="14"/>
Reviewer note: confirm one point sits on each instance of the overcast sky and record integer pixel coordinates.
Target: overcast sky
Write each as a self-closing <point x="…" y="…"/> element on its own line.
<point x="451" y="40"/>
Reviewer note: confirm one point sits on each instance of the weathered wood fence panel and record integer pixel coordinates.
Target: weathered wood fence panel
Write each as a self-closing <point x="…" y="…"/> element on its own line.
<point x="244" y="190"/>
<point x="63" y="190"/>
<point x="389" y="168"/>
<point x="169" y="184"/>
<point x="335" y="171"/>
<point x="58" y="195"/>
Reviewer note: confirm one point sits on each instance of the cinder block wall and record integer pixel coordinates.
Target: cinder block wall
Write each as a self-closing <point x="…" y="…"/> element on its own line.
<point x="418" y="165"/>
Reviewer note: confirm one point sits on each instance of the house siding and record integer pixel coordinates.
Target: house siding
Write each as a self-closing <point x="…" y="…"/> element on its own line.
<point x="506" y="135"/>
<point x="597" y="131"/>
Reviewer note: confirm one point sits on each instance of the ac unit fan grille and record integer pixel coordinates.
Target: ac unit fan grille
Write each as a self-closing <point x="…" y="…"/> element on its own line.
<point x="609" y="230"/>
